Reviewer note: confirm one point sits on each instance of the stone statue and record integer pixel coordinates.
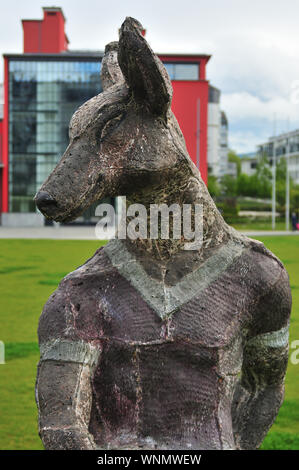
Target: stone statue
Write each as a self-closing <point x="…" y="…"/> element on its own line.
<point x="148" y="345"/>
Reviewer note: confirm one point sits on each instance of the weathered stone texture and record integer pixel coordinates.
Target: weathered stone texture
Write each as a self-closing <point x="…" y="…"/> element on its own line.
<point x="148" y="345"/>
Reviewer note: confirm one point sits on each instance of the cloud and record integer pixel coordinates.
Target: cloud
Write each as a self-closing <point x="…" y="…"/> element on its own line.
<point x="253" y="120"/>
<point x="244" y="105"/>
<point x="244" y="141"/>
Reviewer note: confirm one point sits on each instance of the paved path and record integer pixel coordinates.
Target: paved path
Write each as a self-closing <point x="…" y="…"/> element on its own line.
<point x="88" y="233"/>
<point x="56" y="233"/>
<point x="269" y="233"/>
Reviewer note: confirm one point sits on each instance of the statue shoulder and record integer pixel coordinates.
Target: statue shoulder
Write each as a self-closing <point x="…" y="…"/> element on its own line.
<point x="97" y="265"/>
<point x="73" y="311"/>
<point x="272" y="308"/>
<point x="270" y="267"/>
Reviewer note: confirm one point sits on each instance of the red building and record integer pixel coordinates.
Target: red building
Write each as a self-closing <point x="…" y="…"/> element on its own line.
<point x="46" y="35"/>
<point x="1" y="146"/>
<point x="190" y="103"/>
<point x="44" y="85"/>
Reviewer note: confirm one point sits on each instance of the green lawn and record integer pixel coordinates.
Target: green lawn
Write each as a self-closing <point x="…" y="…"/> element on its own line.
<point x="246" y="225"/>
<point x="29" y="271"/>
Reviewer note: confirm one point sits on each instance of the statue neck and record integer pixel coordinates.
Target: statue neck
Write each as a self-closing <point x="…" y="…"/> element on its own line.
<point x="187" y="189"/>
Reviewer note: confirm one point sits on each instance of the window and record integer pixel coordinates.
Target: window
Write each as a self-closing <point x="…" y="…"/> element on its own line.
<point x="182" y="71"/>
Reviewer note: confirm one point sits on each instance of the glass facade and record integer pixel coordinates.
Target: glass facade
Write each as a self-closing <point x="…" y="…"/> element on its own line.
<point x="182" y="71"/>
<point x="281" y="146"/>
<point x="43" y="95"/>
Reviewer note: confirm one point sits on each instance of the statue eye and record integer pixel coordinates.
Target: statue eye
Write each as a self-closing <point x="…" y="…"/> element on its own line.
<point x="111" y="125"/>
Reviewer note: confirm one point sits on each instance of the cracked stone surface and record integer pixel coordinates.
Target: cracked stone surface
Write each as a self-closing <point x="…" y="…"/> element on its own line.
<point x="147" y="345"/>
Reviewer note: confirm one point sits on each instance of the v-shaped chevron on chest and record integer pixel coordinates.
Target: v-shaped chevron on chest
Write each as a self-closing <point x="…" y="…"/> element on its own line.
<point x="165" y="300"/>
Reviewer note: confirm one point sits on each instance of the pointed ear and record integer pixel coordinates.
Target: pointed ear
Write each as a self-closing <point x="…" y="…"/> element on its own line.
<point x="111" y="73"/>
<point x="144" y="72"/>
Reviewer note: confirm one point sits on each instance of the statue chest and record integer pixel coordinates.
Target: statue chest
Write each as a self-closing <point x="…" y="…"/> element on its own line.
<point x="194" y="339"/>
<point x="111" y="299"/>
<point x="203" y="308"/>
<point x="162" y="377"/>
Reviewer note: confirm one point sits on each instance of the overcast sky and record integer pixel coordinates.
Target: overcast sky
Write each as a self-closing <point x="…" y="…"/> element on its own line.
<point x="254" y="46"/>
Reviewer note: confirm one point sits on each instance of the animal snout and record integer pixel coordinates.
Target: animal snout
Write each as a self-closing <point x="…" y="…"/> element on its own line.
<point x="45" y="201"/>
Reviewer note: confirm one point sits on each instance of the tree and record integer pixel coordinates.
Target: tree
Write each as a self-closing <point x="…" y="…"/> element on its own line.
<point x="228" y="185"/>
<point x="243" y="185"/>
<point x="257" y="185"/>
<point x="234" y="158"/>
<point x="263" y="176"/>
<point x="281" y="173"/>
<point x="294" y="198"/>
<point x="213" y="186"/>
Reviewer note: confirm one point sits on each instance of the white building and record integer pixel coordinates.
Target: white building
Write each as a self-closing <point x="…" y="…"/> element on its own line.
<point x="249" y="163"/>
<point x="285" y="144"/>
<point x="218" y="164"/>
<point x="213" y="130"/>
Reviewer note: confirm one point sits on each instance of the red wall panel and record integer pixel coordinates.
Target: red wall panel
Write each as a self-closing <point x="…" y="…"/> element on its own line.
<point x="53" y="35"/>
<point x="187" y="96"/>
<point x="32" y="33"/>
<point x="47" y="35"/>
<point x="190" y="106"/>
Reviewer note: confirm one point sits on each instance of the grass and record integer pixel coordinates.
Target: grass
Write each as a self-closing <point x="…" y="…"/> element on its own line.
<point x="284" y="433"/>
<point x="253" y="204"/>
<point x="246" y="224"/>
<point x="29" y="272"/>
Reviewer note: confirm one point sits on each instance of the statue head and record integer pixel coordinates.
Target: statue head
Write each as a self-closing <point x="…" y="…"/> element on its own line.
<point x="122" y="140"/>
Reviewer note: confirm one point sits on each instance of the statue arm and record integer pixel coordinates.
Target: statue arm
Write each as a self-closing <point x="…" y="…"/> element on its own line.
<point x="260" y="390"/>
<point x="64" y="395"/>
